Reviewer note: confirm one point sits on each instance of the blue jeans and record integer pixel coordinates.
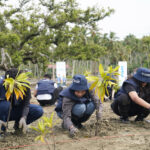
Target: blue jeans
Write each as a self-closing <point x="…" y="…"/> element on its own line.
<point x="35" y="112"/>
<point x="81" y="112"/>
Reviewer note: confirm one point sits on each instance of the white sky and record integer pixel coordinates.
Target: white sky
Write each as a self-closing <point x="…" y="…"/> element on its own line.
<point x="130" y="17"/>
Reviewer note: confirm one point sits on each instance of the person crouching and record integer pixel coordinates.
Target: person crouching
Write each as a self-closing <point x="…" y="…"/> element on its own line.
<point x="131" y="99"/>
<point x="46" y="91"/>
<point x="76" y="104"/>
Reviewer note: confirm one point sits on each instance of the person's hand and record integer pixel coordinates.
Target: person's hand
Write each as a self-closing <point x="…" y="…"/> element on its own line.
<point x="2" y="123"/>
<point x="23" y="125"/>
<point x="73" y="131"/>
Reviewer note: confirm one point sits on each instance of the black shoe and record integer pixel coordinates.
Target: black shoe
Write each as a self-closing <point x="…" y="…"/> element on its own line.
<point x="41" y="104"/>
<point x="124" y="119"/>
<point x="17" y="131"/>
<point x="139" y="118"/>
<point x="78" y="125"/>
<point x="16" y="125"/>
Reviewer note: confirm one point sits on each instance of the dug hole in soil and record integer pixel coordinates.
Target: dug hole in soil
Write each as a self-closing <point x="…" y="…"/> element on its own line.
<point x="112" y="134"/>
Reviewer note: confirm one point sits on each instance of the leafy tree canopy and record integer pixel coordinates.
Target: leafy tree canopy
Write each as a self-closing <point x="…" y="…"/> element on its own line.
<point x="49" y="30"/>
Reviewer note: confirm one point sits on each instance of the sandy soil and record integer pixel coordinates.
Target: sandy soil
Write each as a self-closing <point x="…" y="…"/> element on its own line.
<point x="112" y="135"/>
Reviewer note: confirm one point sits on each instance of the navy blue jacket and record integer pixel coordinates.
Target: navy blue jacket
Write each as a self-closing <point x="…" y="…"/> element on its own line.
<point x="70" y="94"/>
<point x="132" y="82"/>
<point x="2" y="90"/>
<point x="45" y="86"/>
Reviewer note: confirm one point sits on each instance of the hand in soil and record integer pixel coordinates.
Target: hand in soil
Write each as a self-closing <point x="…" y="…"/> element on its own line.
<point x="73" y="132"/>
<point x="23" y="125"/>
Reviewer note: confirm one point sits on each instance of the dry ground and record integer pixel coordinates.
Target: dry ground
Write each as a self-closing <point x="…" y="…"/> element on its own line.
<point x="112" y="135"/>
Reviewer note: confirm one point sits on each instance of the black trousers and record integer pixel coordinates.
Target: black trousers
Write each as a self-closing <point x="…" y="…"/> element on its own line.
<point x="124" y="106"/>
<point x="52" y="101"/>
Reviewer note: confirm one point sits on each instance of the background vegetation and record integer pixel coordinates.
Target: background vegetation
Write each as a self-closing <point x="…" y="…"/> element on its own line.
<point x="43" y="31"/>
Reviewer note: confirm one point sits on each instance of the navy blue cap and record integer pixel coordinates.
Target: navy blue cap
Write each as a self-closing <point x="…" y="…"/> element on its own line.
<point x="142" y="74"/>
<point x="79" y="83"/>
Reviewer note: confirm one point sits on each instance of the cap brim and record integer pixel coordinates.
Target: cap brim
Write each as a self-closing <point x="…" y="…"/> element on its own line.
<point x="79" y="87"/>
<point x="141" y="78"/>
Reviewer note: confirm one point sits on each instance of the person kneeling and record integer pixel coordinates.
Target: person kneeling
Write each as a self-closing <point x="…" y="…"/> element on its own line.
<point x="76" y="104"/>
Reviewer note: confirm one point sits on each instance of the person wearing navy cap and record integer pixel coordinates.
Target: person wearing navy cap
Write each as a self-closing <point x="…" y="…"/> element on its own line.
<point x="76" y="104"/>
<point x="133" y="98"/>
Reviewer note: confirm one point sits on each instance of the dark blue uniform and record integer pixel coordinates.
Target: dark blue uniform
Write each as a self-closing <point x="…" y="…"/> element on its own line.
<point x="20" y="108"/>
<point x="124" y="106"/>
<point x="70" y="94"/>
<point x="46" y="86"/>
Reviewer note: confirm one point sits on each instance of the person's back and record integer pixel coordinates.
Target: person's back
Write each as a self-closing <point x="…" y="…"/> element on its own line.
<point x="46" y="91"/>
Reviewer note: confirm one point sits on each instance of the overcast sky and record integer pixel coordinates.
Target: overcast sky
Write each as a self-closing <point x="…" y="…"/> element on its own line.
<point x="130" y="17"/>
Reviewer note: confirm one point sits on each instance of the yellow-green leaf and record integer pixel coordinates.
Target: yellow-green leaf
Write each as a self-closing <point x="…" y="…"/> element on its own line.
<point x="116" y="69"/>
<point x="93" y="85"/>
<point x="92" y="78"/>
<point x="38" y="138"/>
<point x="101" y="70"/>
<point x="97" y="92"/>
<point x="42" y="139"/>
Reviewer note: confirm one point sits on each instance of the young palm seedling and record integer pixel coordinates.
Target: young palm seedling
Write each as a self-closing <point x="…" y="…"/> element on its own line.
<point x="44" y="127"/>
<point x="15" y="87"/>
<point x="100" y="84"/>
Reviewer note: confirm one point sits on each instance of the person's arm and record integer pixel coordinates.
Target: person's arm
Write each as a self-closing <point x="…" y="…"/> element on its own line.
<point x="130" y="90"/>
<point x="67" y="108"/>
<point x="26" y="103"/>
<point x="113" y="94"/>
<point x="25" y="111"/>
<point x="134" y="97"/>
<point x="35" y="91"/>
